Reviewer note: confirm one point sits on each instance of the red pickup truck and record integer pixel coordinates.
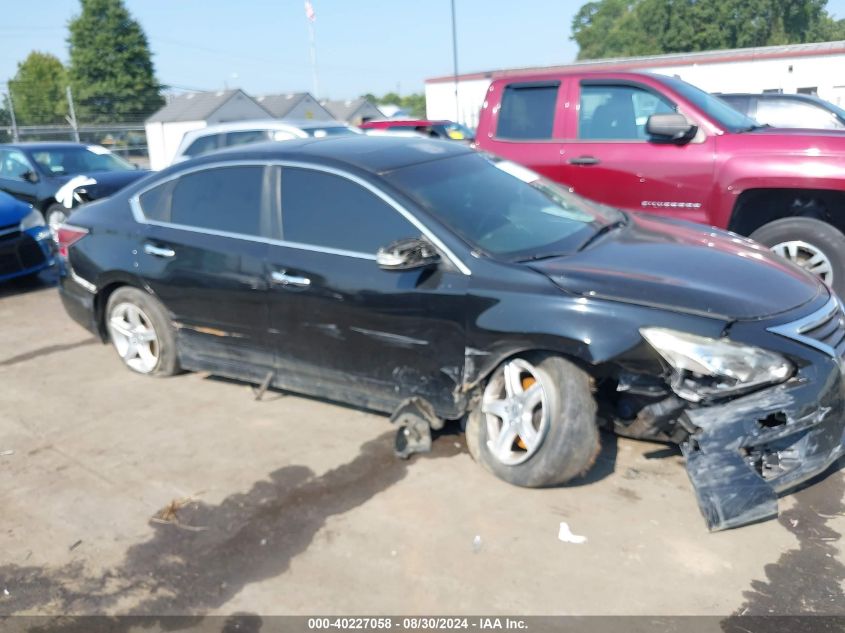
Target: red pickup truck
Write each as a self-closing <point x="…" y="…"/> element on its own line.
<point x="654" y="143"/>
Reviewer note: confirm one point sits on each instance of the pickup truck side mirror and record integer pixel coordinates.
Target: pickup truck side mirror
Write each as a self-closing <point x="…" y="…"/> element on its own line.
<point x="407" y="254"/>
<point x="30" y="176"/>
<point x="672" y="127"/>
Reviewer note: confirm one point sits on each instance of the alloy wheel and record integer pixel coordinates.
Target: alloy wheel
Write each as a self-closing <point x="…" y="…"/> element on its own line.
<point x="134" y="337"/>
<point x="517" y="412"/>
<point x="808" y="257"/>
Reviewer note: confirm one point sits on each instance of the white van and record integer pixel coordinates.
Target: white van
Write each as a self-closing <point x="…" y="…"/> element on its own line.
<point x="214" y="137"/>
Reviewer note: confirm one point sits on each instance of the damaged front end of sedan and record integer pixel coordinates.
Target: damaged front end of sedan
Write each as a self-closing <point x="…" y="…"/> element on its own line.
<point x="751" y="422"/>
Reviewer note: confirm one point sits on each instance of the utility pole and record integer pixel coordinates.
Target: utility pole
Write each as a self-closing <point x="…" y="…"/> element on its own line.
<point x="455" y="63"/>
<point x="72" y="118"/>
<point x="15" y="136"/>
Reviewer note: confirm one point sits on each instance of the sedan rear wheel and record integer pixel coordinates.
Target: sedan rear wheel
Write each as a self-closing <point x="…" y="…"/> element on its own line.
<point x="535" y="424"/>
<point x="141" y="333"/>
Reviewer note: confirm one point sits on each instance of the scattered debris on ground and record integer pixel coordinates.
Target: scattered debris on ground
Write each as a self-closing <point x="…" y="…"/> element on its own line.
<point x="169" y="515"/>
<point x="566" y="535"/>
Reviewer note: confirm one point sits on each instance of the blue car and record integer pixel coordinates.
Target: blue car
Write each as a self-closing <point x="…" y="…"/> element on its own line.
<point x="26" y="247"/>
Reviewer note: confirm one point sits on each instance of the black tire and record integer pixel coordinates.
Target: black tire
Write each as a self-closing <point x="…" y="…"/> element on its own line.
<point x="53" y="211"/>
<point x="571" y="443"/>
<point x="820" y="235"/>
<point x="168" y="361"/>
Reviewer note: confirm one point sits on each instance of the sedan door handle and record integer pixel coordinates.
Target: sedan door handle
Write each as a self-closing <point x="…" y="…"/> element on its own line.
<point x="584" y="160"/>
<point x="289" y="280"/>
<point x="158" y="251"/>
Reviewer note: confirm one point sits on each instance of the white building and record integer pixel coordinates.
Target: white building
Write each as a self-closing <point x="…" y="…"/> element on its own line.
<point x="192" y="111"/>
<point x="796" y="68"/>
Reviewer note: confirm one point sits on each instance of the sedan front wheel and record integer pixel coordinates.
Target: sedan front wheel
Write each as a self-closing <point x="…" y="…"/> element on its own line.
<point x="536" y="424"/>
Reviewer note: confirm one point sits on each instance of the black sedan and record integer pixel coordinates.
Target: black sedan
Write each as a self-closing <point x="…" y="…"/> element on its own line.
<point x="55" y="177"/>
<point x="418" y="275"/>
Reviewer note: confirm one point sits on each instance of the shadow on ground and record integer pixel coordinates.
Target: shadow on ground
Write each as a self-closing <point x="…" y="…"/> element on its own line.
<point x="215" y="550"/>
<point x="806" y="581"/>
<point x="23" y="285"/>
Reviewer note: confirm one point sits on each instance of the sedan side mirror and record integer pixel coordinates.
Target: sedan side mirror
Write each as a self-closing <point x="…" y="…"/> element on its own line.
<point x="672" y="127"/>
<point x="407" y="254"/>
<point x="30" y="176"/>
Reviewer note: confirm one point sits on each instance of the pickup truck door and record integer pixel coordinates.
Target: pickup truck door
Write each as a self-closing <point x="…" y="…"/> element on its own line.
<point x="528" y="123"/>
<point x="608" y="156"/>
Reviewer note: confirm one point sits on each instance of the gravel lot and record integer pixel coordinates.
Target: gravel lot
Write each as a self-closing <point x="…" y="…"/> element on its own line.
<point x="124" y="494"/>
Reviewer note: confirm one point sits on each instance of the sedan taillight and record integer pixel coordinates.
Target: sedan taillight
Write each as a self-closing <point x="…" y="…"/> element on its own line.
<point x="67" y="236"/>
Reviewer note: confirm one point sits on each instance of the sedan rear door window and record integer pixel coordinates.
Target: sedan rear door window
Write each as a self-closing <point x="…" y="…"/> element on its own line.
<point x="231" y="199"/>
<point x="331" y="211"/>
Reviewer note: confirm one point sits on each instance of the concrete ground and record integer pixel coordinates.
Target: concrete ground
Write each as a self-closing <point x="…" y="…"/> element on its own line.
<point x="124" y="494"/>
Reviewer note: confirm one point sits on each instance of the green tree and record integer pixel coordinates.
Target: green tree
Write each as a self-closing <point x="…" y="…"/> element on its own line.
<point x="413" y="103"/>
<point x="613" y="28"/>
<point x="5" y="120"/>
<point x="38" y="90"/>
<point x="111" y="68"/>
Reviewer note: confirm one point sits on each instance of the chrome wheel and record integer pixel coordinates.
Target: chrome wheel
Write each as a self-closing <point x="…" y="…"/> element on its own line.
<point x="808" y="257"/>
<point x="134" y="337"/>
<point x="516" y="411"/>
<point x="54" y="220"/>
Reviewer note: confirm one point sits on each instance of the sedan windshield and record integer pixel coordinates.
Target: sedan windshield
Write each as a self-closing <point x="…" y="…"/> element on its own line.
<point x="74" y="159"/>
<point x="725" y="115"/>
<point x="501" y="208"/>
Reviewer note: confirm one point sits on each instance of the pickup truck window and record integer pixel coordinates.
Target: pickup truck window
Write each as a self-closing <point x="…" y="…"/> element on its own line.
<point x="528" y="111"/>
<point x="617" y="112"/>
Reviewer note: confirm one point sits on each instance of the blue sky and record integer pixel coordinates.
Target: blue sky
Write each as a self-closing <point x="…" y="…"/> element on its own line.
<point x="365" y="46"/>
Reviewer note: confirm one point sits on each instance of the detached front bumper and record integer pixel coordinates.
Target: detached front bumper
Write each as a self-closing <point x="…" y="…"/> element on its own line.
<point x="751" y="448"/>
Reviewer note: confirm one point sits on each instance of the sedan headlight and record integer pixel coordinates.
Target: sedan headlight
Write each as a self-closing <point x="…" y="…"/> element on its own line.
<point x="32" y="220"/>
<point x="710" y="368"/>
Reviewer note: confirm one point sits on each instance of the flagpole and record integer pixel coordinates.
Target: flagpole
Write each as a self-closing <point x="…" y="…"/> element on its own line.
<point x="314" y="80"/>
<point x="455" y="64"/>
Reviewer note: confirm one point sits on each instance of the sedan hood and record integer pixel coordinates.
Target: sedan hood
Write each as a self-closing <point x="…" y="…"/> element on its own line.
<point x="684" y="267"/>
<point x="12" y="210"/>
<point x="106" y="182"/>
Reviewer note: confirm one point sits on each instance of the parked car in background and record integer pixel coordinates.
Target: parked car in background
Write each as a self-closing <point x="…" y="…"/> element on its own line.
<point x="25" y="244"/>
<point x="56" y="177"/>
<point x="788" y="110"/>
<point x="448" y="130"/>
<point x="654" y="143"/>
<point x="214" y="137"/>
<point x="392" y="272"/>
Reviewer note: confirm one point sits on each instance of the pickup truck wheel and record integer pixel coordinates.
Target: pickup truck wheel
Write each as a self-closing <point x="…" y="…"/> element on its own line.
<point x="816" y="246"/>
<point x="535" y="425"/>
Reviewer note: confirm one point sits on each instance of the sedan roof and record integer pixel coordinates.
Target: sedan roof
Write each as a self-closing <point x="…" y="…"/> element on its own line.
<point x="375" y="154"/>
<point x="45" y="145"/>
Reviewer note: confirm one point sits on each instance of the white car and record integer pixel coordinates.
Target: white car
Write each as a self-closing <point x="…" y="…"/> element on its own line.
<point x="214" y="137"/>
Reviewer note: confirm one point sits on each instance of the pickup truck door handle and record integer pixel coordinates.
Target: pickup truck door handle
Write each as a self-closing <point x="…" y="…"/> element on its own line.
<point x="584" y="160"/>
<point x="282" y="278"/>
<point x="158" y="251"/>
